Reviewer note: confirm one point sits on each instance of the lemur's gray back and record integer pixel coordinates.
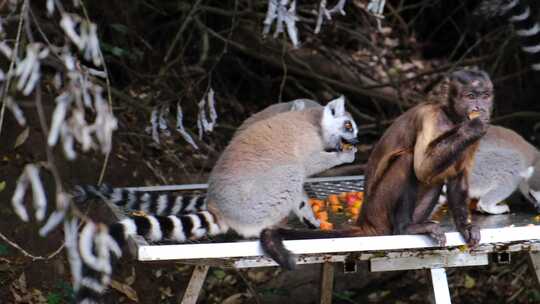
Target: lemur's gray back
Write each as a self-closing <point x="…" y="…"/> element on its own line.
<point x="503" y="160"/>
<point x="293" y="105"/>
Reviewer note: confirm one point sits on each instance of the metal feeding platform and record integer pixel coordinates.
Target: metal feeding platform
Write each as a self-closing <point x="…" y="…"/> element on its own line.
<point x="500" y="236"/>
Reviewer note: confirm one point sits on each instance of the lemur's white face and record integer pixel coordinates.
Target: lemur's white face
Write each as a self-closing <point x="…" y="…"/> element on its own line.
<point x="337" y="125"/>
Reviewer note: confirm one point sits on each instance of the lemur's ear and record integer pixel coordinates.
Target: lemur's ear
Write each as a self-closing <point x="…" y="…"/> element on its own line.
<point x="298" y="105"/>
<point x="335" y="107"/>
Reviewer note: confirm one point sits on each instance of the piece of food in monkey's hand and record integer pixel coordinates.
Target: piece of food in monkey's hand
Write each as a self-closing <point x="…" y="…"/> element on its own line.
<point x="473" y="114"/>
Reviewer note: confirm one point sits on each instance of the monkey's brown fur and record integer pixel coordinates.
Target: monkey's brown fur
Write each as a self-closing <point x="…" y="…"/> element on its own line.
<point x="429" y="145"/>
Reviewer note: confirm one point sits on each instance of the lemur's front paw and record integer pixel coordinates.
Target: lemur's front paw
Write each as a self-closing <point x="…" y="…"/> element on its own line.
<point x="348" y="155"/>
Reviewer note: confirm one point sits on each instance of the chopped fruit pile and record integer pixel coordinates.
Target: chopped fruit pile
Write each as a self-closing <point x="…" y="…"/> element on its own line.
<point x="346" y="204"/>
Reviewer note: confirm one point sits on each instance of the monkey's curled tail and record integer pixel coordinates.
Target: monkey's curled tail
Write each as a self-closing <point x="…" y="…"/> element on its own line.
<point x="272" y="240"/>
<point x="151" y="202"/>
<point x="96" y="275"/>
<point x="520" y="15"/>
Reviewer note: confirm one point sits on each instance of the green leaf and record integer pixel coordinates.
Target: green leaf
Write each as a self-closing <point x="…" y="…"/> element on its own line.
<point x="219" y="274"/>
<point x="2" y="185"/>
<point x="3" y="249"/>
<point x="114" y="50"/>
<point x="120" y="28"/>
<point x="469" y="282"/>
<point x="21" y="139"/>
<point x="534" y="295"/>
<point x="54" y="298"/>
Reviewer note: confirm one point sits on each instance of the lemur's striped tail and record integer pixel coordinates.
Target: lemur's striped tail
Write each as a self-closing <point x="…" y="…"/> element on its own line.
<point x="172" y="227"/>
<point x="151" y="202"/>
<point x="96" y="276"/>
<point x="518" y="13"/>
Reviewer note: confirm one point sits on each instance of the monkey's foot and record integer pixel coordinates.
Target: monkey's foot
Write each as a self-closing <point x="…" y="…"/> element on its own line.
<point x="471" y="234"/>
<point x="432" y="229"/>
<point x="272" y="244"/>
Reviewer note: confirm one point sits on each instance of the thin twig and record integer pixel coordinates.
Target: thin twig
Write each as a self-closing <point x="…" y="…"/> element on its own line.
<point x="284" y="65"/>
<point x="516" y="115"/>
<point x="337" y="83"/>
<point x="12" y="64"/>
<point x="27" y="254"/>
<point x="109" y="97"/>
<point x="250" y="288"/>
<point x="182" y="29"/>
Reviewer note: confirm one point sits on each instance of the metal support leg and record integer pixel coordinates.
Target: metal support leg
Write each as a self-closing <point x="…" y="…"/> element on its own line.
<point x="439" y="286"/>
<point x="327" y="283"/>
<point x="534" y="263"/>
<point x="195" y="284"/>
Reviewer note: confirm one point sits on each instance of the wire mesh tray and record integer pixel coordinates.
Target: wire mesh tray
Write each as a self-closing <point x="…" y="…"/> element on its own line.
<point x="319" y="187"/>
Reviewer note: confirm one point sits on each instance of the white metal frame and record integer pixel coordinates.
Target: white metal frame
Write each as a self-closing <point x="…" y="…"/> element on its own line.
<point x="385" y="253"/>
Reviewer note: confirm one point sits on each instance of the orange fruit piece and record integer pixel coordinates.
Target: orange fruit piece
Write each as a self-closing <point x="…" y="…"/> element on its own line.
<point x="322" y="215"/>
<point x="314" y="201"/>
<point x="333" y="199"/>
<point x="336" y="208"/>
<point x="316" y="208"/>
<point x="327" y="226"/>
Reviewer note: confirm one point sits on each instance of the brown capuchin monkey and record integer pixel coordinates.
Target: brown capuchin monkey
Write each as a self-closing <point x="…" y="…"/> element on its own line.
<point x="431" y="144"/>
<point x="427" y="146"/>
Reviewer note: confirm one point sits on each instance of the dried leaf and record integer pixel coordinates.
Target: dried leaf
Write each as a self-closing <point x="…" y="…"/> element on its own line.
<point x="165" y="292"/>
<point x="469" y="282"/>
<point x="126" y="290"/>
<point x="2" y="185"/>
<point x="131" y="279"/>
<point x="238" y="298"/>
<point x="21" y="139"/>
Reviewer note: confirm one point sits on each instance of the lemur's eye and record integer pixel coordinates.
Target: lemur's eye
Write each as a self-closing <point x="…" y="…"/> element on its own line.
<point x="348" y="126"/>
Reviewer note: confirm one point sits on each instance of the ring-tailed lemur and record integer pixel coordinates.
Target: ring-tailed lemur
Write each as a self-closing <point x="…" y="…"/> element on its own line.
<point x="524" y="20"/>
<point x="503" y="163"/>
<point x="257" y="181"/>
<point x="167" y="203"/>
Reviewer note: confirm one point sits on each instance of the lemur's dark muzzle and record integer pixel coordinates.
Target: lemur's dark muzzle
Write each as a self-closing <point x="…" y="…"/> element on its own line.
<point x="352" y="141"/>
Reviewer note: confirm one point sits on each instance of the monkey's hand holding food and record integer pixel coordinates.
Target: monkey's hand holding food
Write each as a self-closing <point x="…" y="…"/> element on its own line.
<point x="474" y="128"/>
<point x="470" y="233"/>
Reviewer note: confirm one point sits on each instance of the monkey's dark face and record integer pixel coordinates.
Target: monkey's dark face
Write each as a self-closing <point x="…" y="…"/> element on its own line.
<point x="473" y="99"/>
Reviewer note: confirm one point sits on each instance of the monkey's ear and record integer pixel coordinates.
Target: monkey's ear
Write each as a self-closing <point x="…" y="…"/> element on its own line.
<point x="298" y="105"/>
<point x="336" y="107"/>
